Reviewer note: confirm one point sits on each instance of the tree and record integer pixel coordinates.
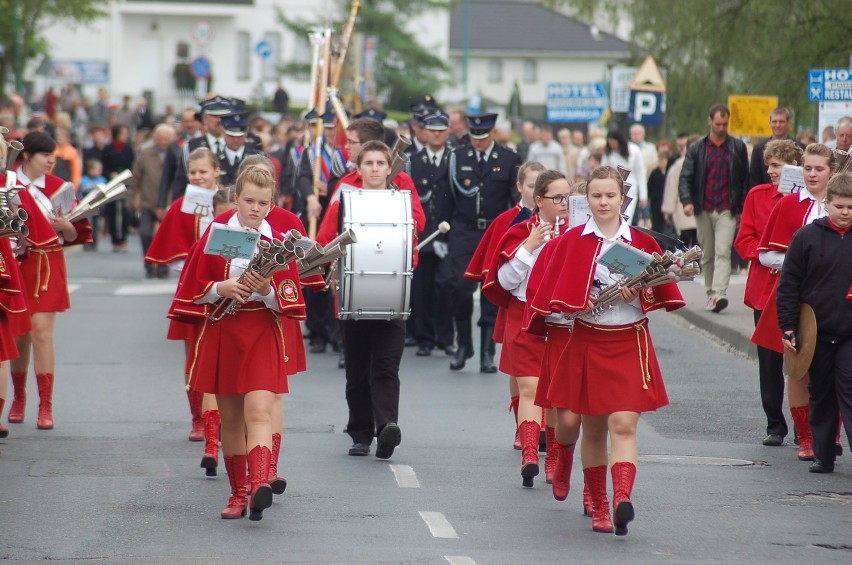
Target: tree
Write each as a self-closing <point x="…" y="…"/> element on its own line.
<point x="33" y="17"/>
<point x="713" y="49"/>
<point x="405" y="70"/>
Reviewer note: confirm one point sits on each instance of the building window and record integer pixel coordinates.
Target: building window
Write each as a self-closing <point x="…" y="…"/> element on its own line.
<point x="495" y="70"/>
<point x="243" y="55"/>
<point x="270" y="65"/>
<point x="530" y="71"/>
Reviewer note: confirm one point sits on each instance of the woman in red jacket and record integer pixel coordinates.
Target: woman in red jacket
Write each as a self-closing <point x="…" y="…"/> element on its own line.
<point x="42" y="265"/>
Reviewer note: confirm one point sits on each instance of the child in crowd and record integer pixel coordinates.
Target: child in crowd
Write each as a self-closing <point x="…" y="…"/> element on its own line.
<point x="92" y="176"/>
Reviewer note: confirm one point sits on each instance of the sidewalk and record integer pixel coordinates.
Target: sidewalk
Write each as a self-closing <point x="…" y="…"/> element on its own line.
<point x="734" y="325"/>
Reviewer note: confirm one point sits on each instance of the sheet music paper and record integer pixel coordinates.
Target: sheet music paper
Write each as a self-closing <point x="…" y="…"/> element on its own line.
<point x="197" y="201"/>
<point x="64" y="199"/>
<point x="578" y="211"/>
<point x="792" y="180"/>
<point x="622" y="259"/>
<point x="231" y="242"/>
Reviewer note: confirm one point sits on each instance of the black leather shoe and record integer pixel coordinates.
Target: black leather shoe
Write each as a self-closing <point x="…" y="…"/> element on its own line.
<point x="838" y="450"/>
<point x="773" y="440"/>
<point x="410" y="342"/>
<point x="451" y="350"/>
<point x="359" y="449"/>
<point x="388" y="439"/>
<point x="486" y="364"/>
<point x="819" y="467"/>
<point x="461" y="357"/>
<point x="423" y="351"/>
<point x="317" y="347"/>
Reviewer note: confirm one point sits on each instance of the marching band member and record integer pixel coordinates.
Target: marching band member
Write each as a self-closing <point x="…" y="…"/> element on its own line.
<point x="610" y="374"/>
<point x="506" y="286"/>
<point x="178" y="232"/>
<point x="760" y="201"/>
<point x="42" y="266"/>
<point x="789" y="215"/>
<point x="817" y="267"/>
<point x="14" y="319"/>
<point x="241" y="357"/>
<point x="373" y="348"/>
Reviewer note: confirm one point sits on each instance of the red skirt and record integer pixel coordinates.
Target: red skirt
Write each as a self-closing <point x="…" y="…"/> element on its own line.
<point x="180" y="330"/>
<point x="45" y="280"/>
<point x="296" y="360"/>
<point x="499" y="326"/>
<point x="558" y="337"/>
<point x="240" y="353"/>
<point x="8" y="349"/>
<point x="608" y="369"/>
<point x="522" y="351"/>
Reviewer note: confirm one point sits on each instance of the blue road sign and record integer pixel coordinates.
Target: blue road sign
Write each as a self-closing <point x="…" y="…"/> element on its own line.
<point x="830" y="85"/>
<point x="263" y="49"/>
<point x="576" y="102"/>
<point x="646" y="108"/>
<point x="200" y="67"/>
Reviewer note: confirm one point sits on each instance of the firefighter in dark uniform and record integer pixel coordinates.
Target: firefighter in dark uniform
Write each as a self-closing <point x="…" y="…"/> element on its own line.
<point x="483" y="176"/>
<point x="235" y="129"/>
<point x="431" y="303"/>
<point x="213" y="138"/>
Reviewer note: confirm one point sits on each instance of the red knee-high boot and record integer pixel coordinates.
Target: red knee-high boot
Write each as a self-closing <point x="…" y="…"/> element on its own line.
<point x="550" y="455"/>
<point x="210" y="460"/>
<point x="623" y="475"/>
<point x="596" y="479"/>
<point x="259" y="459"/>
<point x="196" y="398"/>
<point x="19" y="401"/>
<point x="587" y="500"/>
<point x="529" y="451"/>
<point x="513" y="407"/>
<point x="4" y="431"/>
<point x="803" y="431"/>
<point x="278" y="484"/>
<point x="45" y="404"/>
<point x="562" y="474"/>
<point x="236" y="468"/>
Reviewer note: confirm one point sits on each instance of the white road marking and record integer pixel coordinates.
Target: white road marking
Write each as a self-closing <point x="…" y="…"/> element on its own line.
<point x="439" y="525"/>
<point x="146" y="289"/>
<point x="92" y="280"/>
<point x="405" y="476"/>
<point x="73" y="287"/>
<point x="459" y="560"/>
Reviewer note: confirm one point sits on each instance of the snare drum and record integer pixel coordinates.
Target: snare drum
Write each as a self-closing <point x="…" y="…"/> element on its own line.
<point x="374" y="278"/>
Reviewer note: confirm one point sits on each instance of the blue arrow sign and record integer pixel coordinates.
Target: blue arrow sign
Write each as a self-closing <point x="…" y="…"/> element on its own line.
<point x="200" y="67"/>
<point x="263" y="49"/>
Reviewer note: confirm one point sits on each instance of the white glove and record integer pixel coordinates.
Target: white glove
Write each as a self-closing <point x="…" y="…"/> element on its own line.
<point x="440" y="248"/>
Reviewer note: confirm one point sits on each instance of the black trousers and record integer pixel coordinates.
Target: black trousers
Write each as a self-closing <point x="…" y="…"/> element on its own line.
<point x="116" y="216"/>
<point x="462" y="244"/>
<point x="319" y="317"/>
<point x="771" y="368"/>
<point x="431" y="305"/>
<point x="830" y="388"/>
<point x="373" y="351"/>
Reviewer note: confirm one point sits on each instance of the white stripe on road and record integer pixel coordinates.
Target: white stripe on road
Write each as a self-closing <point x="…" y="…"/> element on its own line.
<point x="459" y="560"/>
<point x="439" y="525"/>
<point x="146" y="289"/>
<point x="405" y="476"/>
<point x="73" y="287"/>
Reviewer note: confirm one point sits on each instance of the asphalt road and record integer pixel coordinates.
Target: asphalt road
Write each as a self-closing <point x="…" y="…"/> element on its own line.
<point x="118" y="482"/>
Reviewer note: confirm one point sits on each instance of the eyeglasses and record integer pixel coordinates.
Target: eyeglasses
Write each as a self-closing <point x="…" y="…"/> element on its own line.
<point x="558" y="199"/>
<point x="352" y="142"/>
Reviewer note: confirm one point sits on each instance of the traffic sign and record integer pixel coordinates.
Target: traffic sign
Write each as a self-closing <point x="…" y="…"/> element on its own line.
<point x="576" y="101"/>
<point x="648" y="78"/>
<point x="203" y="33"/>
<point x="263" y="49"/>
<point x="829" y="85"/>
<point x="646" y="108"/>
<point x="200" y="67"/>
<point x="750" y="114"/>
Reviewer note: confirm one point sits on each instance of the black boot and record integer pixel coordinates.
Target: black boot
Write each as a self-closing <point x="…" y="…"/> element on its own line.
<point x="465" y="348"/>
<point x="486" y="355"/>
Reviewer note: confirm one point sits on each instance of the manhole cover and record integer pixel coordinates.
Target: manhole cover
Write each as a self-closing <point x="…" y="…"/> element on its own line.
<point x="695" y="460"/>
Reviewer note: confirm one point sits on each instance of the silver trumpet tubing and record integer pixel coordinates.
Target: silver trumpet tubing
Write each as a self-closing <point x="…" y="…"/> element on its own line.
<point x="399" y="158"/>
<point x="12" y="223"/>
<point x="102" y="194"/>
<point x="320" y="255"/>
<point x="270" y="258"/>
<point x="843" y="161"/>
<point x="13" y="149"/>
<point x="681" y="265"/>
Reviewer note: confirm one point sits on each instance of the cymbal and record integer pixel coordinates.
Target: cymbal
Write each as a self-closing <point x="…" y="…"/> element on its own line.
<point x="798" y="363"/>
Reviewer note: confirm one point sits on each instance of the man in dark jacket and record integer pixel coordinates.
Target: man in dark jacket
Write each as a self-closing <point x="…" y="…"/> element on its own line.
<point x="713" y="185"/>
<point x="818" y="271"/>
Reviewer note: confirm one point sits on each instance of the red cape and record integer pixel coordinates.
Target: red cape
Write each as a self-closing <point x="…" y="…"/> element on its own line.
<point x="786" y="218"/>
<point x="480" y="262"/>
<point x="534" y="323"/>
<point x="760" y="202"/>
<point x="12" y="300"/>
<point x="175" y="237"/>
<point x="505" y="250"/>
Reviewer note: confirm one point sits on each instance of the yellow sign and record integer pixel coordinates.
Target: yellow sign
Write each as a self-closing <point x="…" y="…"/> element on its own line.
<point x="750" y="115"/>
<point x="648" y="78"/>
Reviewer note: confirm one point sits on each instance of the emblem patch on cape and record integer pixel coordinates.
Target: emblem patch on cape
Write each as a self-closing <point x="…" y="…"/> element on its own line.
<point x="2" y="264"/>
<point x="288" y="291"/>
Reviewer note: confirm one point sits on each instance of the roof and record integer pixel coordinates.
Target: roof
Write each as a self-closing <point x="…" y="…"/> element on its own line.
<point x="506" y="25"/>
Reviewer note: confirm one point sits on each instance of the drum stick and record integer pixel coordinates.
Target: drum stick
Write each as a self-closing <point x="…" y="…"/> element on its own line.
<point x="443" y="227"/>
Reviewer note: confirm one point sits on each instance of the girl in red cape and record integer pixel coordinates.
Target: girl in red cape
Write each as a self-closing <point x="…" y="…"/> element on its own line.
<point x="506" y="285"/>
<point x="175" y="236"/>
<point x="42" y="266"/>
<point x="241" y="357"/>
<point x="610" y="373"/>
<point x="759" y="203"/>
<point x="789" y="215"/>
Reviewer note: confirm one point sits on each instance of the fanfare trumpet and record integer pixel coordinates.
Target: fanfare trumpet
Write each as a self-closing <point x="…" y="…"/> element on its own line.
<point x="399" y="159"/>
<point x="681" y="265"/>
<point x="13" y="149"/>
<point x="319" y="255"/>
<point x="100" y="195"/>
<point x="12" y="218"/>
<point x="270" y="258"/>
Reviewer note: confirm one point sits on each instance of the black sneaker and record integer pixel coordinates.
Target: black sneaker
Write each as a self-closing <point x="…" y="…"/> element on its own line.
<point x="819" y="467"/>
<point x="359" y="449"/>
<point x="721" y="304"/>
<point x="389" y="438"/>
<point x="773" y="440"/>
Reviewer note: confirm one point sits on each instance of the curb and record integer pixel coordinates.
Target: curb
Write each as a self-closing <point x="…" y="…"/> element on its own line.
<point x="730" y="336"/>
